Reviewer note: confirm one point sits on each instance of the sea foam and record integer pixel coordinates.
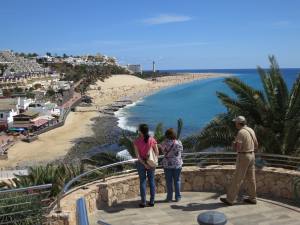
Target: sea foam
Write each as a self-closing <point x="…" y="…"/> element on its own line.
<point x="122" y="116"/>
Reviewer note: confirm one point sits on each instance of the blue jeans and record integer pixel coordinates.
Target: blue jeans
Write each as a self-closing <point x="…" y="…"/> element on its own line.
<point x="143" y="173"/>
<point x="173" y="176"/>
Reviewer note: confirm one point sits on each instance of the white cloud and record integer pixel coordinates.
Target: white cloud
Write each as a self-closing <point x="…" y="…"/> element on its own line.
<point x="166" y="18"/>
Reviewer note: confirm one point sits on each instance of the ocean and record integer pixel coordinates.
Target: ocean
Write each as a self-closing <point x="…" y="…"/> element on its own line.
<point x="196" y="102"/>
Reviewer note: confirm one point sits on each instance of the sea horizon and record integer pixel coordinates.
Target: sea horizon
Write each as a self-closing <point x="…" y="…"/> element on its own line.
<point x="217" y="69"/>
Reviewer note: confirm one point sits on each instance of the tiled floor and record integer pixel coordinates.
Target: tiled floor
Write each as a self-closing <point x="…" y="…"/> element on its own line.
<point x="192" y="204"/>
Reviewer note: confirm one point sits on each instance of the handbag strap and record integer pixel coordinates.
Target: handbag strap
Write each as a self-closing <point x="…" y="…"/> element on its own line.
<point x="151" y="147"/>
<point x="250" y="135"/>
<point x="167" y="152"/>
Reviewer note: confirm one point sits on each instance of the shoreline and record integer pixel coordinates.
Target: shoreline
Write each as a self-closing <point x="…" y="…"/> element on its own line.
<point x="136" y="98"/>
<point x="82" y="127"/>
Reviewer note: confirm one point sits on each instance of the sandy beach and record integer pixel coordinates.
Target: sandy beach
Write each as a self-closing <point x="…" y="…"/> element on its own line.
<point x="130" y="87"/>
<point x="55" y="144"/>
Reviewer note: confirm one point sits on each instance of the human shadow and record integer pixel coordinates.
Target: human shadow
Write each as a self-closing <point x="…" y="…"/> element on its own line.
<point x="200" y="206"/>
<point x="122" y="206"/>
<point x="128" y="205"/>
<point x="214" y="196"/>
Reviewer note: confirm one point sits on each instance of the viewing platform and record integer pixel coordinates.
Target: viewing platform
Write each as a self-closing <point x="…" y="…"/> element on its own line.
<point x="114" y="198"/>
<point x="186" y="211"/>
<point x="109" y="195"/>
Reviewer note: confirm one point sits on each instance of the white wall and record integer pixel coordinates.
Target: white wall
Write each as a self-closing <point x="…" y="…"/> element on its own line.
<point x="8" y="116"/>
<point x="25" y="102"/>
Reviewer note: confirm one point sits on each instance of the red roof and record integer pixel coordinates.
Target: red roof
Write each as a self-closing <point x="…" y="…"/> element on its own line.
<point x="39" y="122"/>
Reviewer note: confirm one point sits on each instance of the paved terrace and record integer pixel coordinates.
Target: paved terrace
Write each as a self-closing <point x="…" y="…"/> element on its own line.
<point x="192" y="204"/>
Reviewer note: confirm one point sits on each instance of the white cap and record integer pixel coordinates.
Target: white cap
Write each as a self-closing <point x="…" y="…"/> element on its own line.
<point x="240" y="119"/>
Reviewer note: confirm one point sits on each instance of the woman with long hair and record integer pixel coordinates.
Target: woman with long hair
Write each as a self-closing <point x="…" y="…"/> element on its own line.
<point x="142" y="145"/>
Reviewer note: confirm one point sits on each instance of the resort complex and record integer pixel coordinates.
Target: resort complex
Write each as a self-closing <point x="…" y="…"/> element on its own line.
<point x="19" y="65"/>
<point x="34" y="97"/>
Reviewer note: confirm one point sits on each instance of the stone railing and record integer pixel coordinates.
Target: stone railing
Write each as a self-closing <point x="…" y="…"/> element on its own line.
<point x="271" y="182"/>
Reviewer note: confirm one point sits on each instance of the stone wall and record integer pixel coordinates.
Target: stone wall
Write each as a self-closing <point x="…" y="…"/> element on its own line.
<point x="274" y="182"/>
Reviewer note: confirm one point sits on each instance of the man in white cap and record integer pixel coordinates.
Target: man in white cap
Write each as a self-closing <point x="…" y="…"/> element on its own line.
<point x="245" y="144"/>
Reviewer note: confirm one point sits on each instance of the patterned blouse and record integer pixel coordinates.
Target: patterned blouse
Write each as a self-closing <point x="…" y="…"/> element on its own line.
<point x="172" y="150"/>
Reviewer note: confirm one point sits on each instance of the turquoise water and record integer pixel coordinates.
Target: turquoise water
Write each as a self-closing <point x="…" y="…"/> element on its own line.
<point x="196" y="103"/>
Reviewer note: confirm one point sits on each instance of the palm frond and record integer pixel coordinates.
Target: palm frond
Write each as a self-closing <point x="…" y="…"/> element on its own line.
<point x="179" y="127"/>
<point x="105" y="158"/>
<point x="281" y="91"/>
<point x="250" y="99"/>
<point x="128" y="143"/>
<point x="159" y="132"/>
<point x="269" y="89"/>
<point x="57" y="175"/>
<point x="232" y="105"/>
<point x="217" y="133"/>
<point x="293" y="110"/>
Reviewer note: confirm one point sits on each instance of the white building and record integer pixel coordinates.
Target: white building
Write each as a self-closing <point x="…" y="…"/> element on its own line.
<point x="24" y="103"/>
<point x="45" y="109"/>
<point x="134" y="68"/>
<point x="8" y="109"/>
<point x="74" y="60"/>
<point x="46" y="58"/>
<point x="64" y="85"/>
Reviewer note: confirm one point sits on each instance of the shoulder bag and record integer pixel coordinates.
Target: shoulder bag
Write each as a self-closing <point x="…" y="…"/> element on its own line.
<point x="152" y="159"/>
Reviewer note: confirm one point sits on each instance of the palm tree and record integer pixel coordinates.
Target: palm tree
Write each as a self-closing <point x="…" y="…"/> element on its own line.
<point x="274" y="113"/>
<point x="102" y="159"/>
<point x="57" y="175"/>
<point x="33" y="204"/>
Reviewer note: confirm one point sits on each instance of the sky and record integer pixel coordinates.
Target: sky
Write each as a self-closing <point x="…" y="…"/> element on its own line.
<point x="176" y="34"/>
